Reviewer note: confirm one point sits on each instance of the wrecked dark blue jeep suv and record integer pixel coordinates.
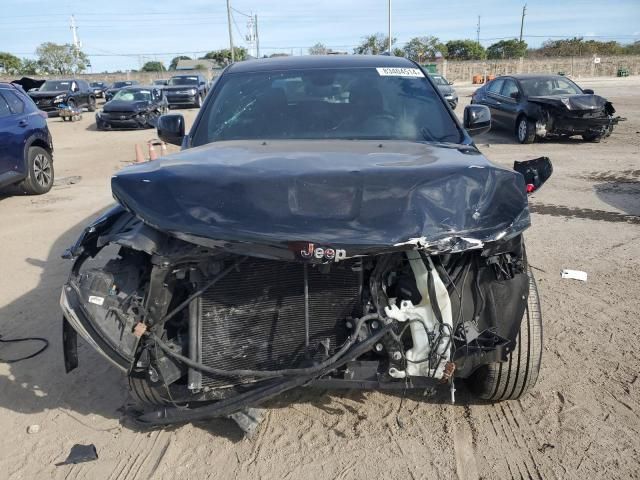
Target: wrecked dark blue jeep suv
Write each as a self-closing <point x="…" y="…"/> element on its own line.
<point x="328" y="223"/>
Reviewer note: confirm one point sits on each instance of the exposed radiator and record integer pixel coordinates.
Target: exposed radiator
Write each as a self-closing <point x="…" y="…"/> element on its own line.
<point x="254" y="318"/>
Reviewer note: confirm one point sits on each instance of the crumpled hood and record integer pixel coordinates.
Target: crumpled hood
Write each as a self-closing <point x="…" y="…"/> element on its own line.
<point x="366" y="196"/>
<point x="124" y="106"/>
<point x="52" y="94"/>
<point x="573" y="102"/>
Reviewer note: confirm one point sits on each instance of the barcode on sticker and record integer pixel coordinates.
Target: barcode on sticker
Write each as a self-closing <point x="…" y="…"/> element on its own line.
<point x="399" y="72"/>
<point x="96" y="300"/>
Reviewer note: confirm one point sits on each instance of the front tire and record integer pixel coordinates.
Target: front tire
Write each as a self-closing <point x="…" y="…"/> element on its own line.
<point x="146" y="394"/>
<point x="40" y="174"/>
<point x="92" y="104"/>
<point x="593" y="137"/>
<point x="198" y="103"/>
<point x="511" y="379"/>
<point x="525" y="130"/>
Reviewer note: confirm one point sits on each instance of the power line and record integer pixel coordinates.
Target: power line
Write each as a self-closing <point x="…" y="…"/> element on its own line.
<point x="236" y="25"/>
<point x="241" y="13"/>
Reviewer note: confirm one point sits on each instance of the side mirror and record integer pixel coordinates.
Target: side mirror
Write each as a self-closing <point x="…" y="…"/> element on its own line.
<point x="587" y="91"/>
<point x="535" y="172"/>
<point x="477" y="119"/>
<point x="515" y="95"/>
<point x="171" y="128"/>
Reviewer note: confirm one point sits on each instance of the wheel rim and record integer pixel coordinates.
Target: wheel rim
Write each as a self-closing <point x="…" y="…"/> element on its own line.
<point x="42" y="170"/>
<point x="522" y="130"/>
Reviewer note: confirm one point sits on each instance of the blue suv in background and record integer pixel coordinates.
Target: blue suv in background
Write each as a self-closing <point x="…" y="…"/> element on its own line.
<point x="26" y="149"/>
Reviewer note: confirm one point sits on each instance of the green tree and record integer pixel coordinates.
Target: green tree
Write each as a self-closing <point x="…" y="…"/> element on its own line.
<point x="373" y="45"/>
<point x="29" y="67"/>
<point x="465" y="50"/>
<point x="9" y="63"/>
<point x="223" y="56"/>
<point x="153" y="67"/>
<point x="175" y="60"/>
<point x="398" y="52"/>
<point x="318" y="49"/>
<point x="421" y="49"/>
<point x="577" y="46"/>
<point x="507" y="49"/>
<point x="61" y="59"/>
<point x="632" y="48"/>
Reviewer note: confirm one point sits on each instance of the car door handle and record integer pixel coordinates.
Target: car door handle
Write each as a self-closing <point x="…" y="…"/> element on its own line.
<point x="23" y="123"/>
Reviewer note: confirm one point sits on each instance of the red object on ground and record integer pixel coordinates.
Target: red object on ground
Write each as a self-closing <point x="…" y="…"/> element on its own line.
<point x="530" y="187"/>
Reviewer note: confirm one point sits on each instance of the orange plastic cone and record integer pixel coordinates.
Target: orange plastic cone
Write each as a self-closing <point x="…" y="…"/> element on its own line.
<point x="139" y="154"/>
<point x="152" y="152"/>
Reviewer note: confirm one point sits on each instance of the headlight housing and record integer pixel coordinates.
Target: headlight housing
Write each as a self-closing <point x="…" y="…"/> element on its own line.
<point x="58" y="98"/>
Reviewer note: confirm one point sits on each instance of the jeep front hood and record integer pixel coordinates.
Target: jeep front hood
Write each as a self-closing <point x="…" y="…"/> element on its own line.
<point x="364" y="196"/>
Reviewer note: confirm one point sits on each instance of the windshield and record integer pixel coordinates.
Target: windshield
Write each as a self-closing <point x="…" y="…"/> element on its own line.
<point x="438" y="80"/>
<point x="159" y="82"/>
<point x="97" y="84"/>
<point x="55" y="86"/>
<point x="128" y="95"/>
<point x="183" y="81"/>
<point x="121" y="84"/>
<point x="357" y="103"/>
<point x="538" y="87"/>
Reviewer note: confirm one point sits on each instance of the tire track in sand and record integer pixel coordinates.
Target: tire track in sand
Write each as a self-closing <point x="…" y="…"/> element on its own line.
<point x="516" y="442"/>
<point x="144" y="454"/>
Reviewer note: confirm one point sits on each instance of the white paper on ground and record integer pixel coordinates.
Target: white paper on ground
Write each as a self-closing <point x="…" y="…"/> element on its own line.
<point x="574" y="274"/>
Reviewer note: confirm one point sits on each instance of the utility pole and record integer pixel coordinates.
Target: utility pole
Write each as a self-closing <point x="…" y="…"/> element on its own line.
<point x="257" y="36"/>
<point x="233" y="57"/>
<point x="76" y="40"/>
<point x="524" y="9"/>
<point x="389" y="29"/>
<point x="478" y="30"/>
<point x="74" y="32"/>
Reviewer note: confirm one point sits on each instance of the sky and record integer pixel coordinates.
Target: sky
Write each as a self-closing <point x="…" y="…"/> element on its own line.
<point x="123" y="34"/>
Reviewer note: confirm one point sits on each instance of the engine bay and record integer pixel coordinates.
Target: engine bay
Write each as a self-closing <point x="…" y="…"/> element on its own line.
<point x="192" y="325"/>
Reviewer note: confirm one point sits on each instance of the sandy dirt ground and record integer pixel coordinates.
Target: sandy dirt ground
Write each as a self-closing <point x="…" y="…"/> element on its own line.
<point x="582" y="420"/>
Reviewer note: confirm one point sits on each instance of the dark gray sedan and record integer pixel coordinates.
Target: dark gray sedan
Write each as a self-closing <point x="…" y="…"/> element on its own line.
<point x="445" y="87"/>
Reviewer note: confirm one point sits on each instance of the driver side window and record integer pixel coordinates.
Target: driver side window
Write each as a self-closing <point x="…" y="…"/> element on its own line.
<point x="74" y="87"/>
<point x="509" y="88"/>
<point x="496" y="85"/>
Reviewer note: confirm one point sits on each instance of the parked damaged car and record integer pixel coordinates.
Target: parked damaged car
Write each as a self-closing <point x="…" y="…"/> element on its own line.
<point x="99" y="88"/>
<point x="53" y="95"/>
<point x="328" y="223"/>
<point x="113" y="89"/>
<point x="132" y="107"/>
<point x="546" y="106"/>
<point x="445" y="86"/>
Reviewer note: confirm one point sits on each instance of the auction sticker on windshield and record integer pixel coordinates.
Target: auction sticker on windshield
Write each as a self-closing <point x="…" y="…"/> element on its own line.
<point x="399" y="72"/>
